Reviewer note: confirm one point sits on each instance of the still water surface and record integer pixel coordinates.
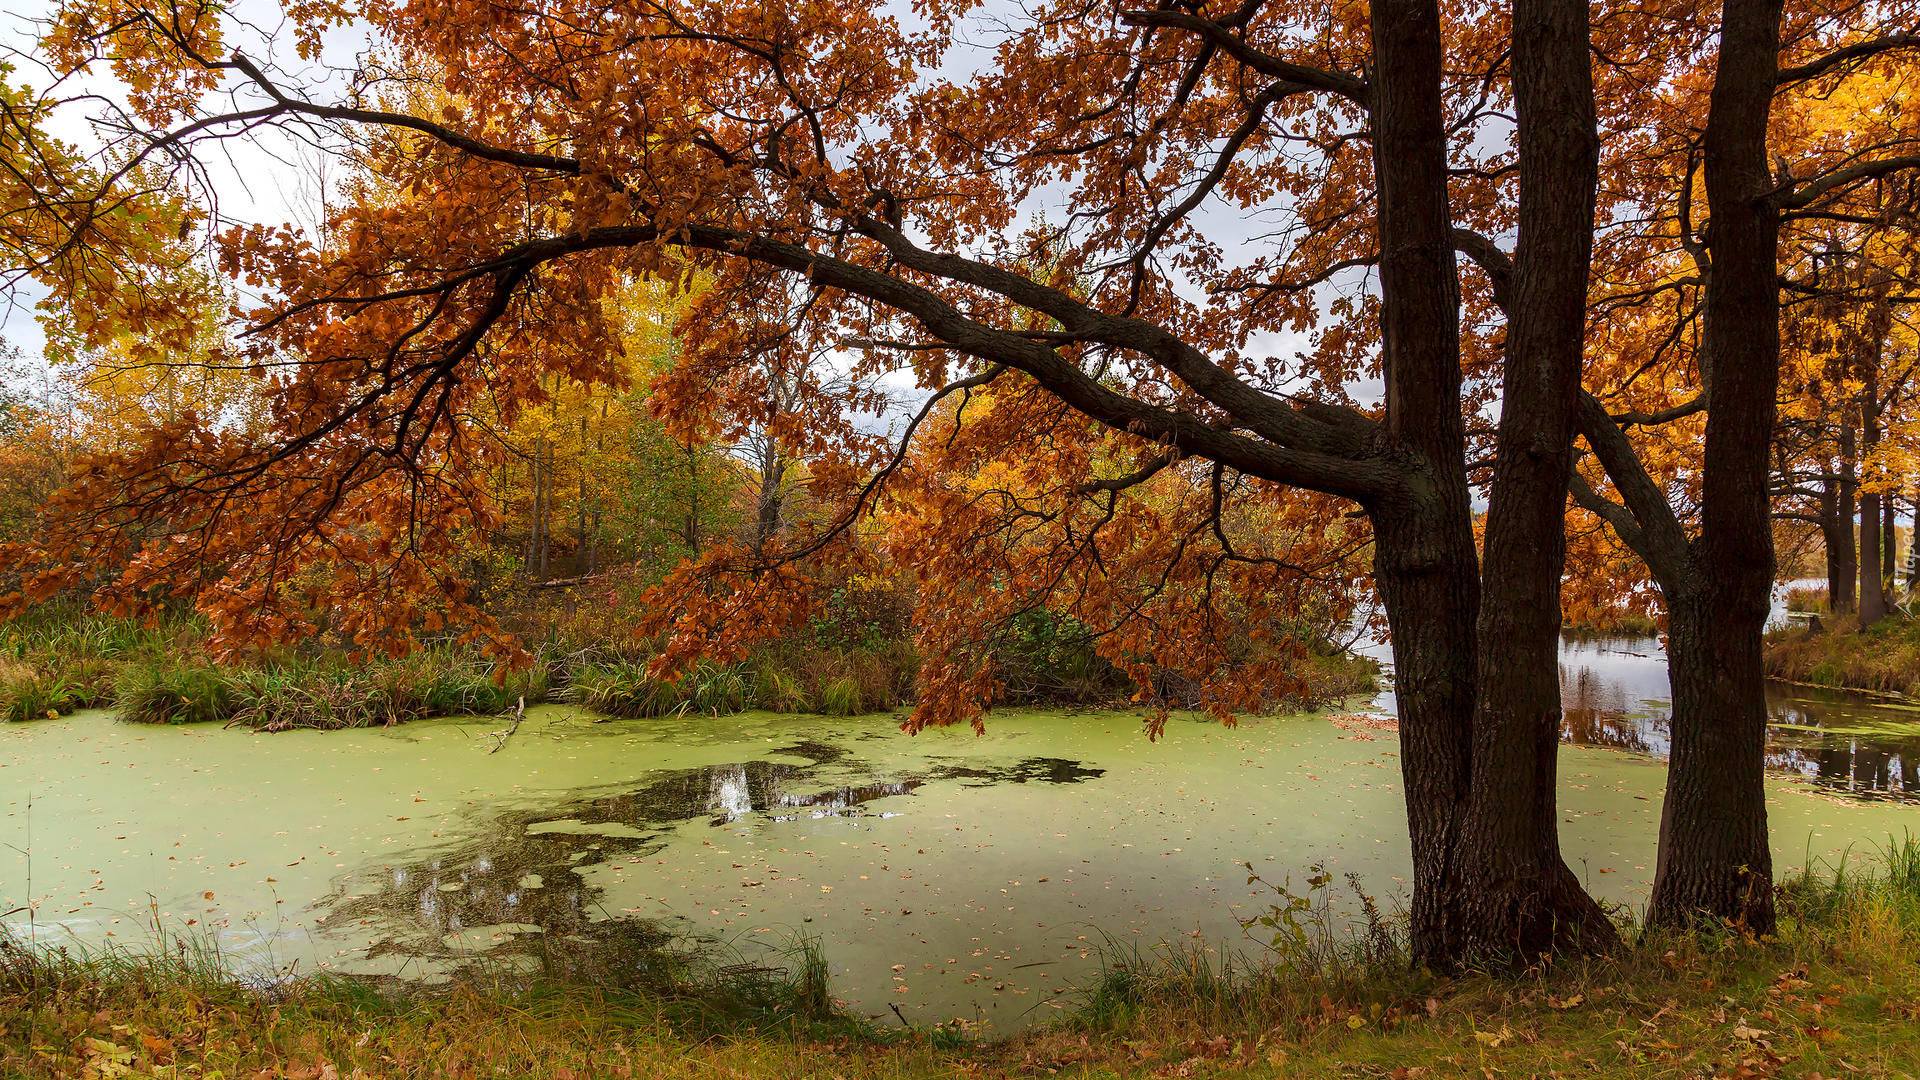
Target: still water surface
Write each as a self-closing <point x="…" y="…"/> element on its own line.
<point x="944" y="873"/>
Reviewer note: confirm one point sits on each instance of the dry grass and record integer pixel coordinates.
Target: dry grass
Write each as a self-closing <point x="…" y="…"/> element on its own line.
<point x="1807" y="600"/>
<point x="1884" y="659"/>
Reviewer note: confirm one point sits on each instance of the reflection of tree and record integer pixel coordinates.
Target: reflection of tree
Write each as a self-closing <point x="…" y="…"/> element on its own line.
<point x="1597" y="712"/>
<point x="1600" y="711"/>
<point x="1035" y="770"/>
<point x="512" y="871"/>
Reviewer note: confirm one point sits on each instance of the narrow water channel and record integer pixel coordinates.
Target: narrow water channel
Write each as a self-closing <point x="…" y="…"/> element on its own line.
<point x="944" y="873"/>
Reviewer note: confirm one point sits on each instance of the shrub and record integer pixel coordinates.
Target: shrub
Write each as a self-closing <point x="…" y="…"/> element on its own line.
<point x="717" y="690"/>
<point x="163" y="694"/>
<point x="34" y="692"/>
<point x="1807" y="600"/>
<point x="778" y="690"/>
<point x="841" y="697"/>
<point x="1040" y="656"/>
<point x="622" y="689"/>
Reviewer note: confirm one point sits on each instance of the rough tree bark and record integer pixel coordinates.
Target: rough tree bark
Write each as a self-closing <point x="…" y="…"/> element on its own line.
<point x="1425" y="566"/>
<point x="1889" y="542"/>
<point x="1714" y="859"/>
<point x="1517" y="896"/>
<point x="1715" y="862"/>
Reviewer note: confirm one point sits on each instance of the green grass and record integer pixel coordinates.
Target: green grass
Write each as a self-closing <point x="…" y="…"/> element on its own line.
<point x="161" y="693"/>
<point x="621" y="689"/>
<point x="30" y="692"/>
<point x="842" y="697"/>
<point x="1835" y="994"/>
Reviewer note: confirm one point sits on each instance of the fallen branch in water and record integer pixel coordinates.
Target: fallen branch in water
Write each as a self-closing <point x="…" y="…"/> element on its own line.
<point x="519" y="714"/>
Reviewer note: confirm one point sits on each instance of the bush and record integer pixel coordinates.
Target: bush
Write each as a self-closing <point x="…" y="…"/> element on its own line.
<point x="842" y="697"/>
<point x="717" y="690"/>
<point x="163" y="694"/>
<point x="442" y="682"/>
<point x="1041" y="656"/>
<point x="31" y="692"/>
<point x="621" y="689"/>
<point x="778" y="690"/>
<point x="1799" y="599"/>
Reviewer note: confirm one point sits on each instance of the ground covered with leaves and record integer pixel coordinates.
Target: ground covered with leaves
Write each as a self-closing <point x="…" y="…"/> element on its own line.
<point x="1836" y="994"/>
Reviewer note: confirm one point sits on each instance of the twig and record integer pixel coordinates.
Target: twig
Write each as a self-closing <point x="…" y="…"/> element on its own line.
<point x="519" y="714"/>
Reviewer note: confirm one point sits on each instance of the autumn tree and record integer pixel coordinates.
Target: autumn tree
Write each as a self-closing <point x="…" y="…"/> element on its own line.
<point x="848" y="176"/>
<point x="1712" y="247"/>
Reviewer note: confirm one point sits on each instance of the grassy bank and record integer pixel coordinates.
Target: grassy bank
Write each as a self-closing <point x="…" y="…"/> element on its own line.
<point x="1836" y="994"/>
<point x="64" y="662"/>
<point x="1618" y="626"/>
<point x="1884" y="659"/>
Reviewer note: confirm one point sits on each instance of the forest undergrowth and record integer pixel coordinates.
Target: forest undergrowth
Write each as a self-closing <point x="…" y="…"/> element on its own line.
<point x="1836" y="993"/>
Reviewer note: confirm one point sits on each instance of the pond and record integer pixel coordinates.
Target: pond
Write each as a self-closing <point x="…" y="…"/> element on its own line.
<point x="1614" y="693"/>
<point x="943" y="874"/>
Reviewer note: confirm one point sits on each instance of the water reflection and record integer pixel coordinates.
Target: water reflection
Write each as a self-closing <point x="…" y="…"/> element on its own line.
<point x="1615" y="694"/>
<point x="517" y="886"/>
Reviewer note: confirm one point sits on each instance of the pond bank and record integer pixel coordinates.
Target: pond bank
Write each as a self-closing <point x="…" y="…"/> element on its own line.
<point x="1837" y="994"/>
<point x="1883" y="660"/>
<point x="162" y="675"/>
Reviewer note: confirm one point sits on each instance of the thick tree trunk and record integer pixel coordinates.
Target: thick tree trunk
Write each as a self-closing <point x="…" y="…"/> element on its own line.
<point x="1517" y="898"/>
<point x="1873" y="594"/>
<point x="773" y="470"/>
<point x="1714" y="859"/>
<point x="1425" y="565"/>
<point x="690" y="529"/>
<point x="1424" y="568"/>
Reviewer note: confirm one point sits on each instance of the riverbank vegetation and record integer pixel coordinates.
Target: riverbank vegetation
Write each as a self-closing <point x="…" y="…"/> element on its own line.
<point x="1883" y="658"/>
<point x="1835" y="993"/>
<point x="63" y="661"/>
